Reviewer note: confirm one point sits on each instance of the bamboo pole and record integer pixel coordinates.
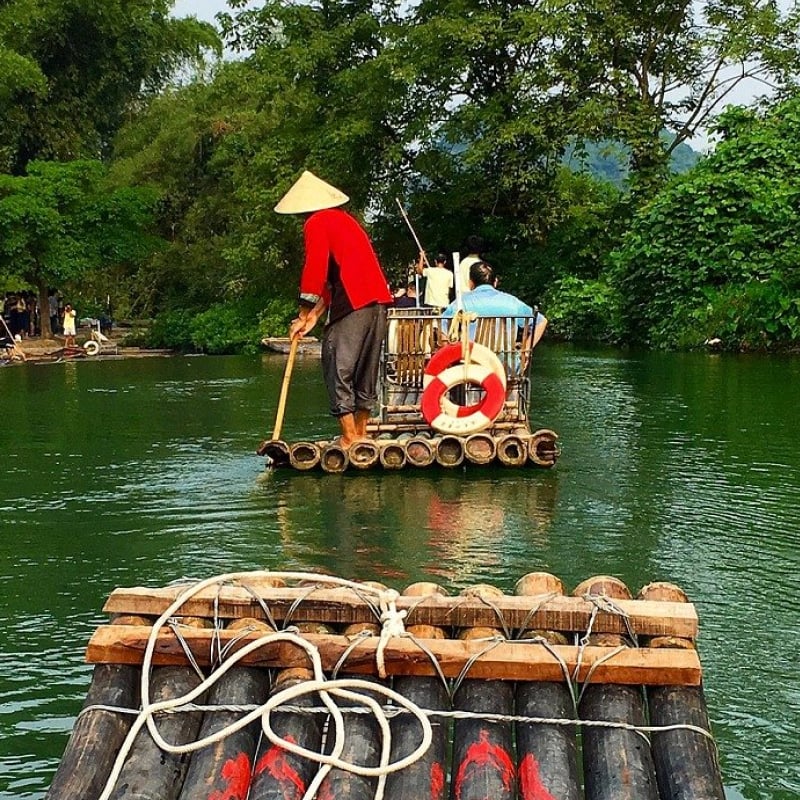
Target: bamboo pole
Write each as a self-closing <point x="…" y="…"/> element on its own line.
<point x="547" y="755"/>
<point x="543" y="447"/>
<point x="392" y="454"/>
<point x="426" y="777"/>
<point x="512" y="450"/>
<point x="364" y="454"/>
<point x="420" y="451"/>
<point x="277" y="773"/>
<point x="304" y="455"/>
<point x="450" y="451"/>
<point x="334" y="458"/>
<point x="275" y="448"/>
<point x="480" y="448"/>
<point x="210" y="768"/>
<point x="617" y="763"/>
<point x="483" y="766"/>
<point x="687" y="767"/>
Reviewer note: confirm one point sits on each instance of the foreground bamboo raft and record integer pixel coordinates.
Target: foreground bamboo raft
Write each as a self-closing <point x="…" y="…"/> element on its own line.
<point x="534" y="695"/>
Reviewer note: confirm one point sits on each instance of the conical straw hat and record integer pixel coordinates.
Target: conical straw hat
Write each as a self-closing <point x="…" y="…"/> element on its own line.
<point x="310" y="193"/>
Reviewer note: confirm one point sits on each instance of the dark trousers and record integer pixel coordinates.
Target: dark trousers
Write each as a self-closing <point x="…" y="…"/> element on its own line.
<point x="351" y="351"/>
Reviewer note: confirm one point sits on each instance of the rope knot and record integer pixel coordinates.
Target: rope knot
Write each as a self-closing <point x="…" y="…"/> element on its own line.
<point x="391" y="625"/>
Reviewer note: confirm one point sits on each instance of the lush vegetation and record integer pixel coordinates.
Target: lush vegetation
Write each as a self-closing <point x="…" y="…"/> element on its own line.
<point x="137" y="165"/>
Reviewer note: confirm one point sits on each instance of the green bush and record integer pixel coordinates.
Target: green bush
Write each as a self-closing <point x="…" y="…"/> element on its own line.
<point x="275" y="318"/>
<point x="224" y="329"/>
<point x="172" y="329"/>
<point x="754" y="316"/>
<point x="579" y="309"/>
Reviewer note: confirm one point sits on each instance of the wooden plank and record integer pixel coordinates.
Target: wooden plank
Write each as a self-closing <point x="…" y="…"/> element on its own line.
<point x="518" y="660"/>
<point x="344" y="606"/>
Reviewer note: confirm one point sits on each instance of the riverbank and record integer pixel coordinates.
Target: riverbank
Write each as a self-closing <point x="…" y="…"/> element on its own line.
<point x="37" y="349"/>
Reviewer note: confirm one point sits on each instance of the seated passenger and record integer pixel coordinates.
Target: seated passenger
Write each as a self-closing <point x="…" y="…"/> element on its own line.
<point x="484" y="300"/>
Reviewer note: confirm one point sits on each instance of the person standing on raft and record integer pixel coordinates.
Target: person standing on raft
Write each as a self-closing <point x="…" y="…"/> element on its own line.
<point x="341" y="274"/>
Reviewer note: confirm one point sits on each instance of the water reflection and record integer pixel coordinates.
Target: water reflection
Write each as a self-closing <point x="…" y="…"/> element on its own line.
<point x="459" y="526"/>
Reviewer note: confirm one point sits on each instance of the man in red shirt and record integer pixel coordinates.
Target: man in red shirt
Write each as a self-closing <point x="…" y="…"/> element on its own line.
<point x="342" y="275"/>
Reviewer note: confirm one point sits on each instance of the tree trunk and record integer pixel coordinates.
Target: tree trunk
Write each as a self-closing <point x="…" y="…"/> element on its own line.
<point x="44" y="311"/>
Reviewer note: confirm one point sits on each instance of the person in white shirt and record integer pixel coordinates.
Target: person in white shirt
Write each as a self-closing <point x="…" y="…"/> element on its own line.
<point x="474" y="246"/>
<point x="439" y="281"/>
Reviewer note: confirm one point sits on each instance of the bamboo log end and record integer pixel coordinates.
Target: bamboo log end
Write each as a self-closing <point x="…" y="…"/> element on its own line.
<point x="605" y="585"/>
<point x="423" y="589"/>
<point x="663" y="591"/>
<point x="539" y="583"/>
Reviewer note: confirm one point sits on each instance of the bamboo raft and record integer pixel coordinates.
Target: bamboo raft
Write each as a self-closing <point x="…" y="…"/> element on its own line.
<point x="285" y="685"/>
<point x="401" y="435"/>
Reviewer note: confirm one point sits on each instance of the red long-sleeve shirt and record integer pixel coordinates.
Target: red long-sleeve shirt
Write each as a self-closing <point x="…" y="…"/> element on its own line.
<point x="341" y="266"/>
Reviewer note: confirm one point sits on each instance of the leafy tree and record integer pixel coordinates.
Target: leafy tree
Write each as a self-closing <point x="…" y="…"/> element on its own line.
<point x="76" y="68"/>
<point x="60" y="221"/>
<point x="717" y="253"/>
<point x="672" y="65"/>
<point x="311" y="94"/>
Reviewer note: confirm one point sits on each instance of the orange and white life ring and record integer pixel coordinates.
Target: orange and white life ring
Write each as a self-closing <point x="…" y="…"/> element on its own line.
<point x="91" y="347"/>
<point x="443" y="373"/>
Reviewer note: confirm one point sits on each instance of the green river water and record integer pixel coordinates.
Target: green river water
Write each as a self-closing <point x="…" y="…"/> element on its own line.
<point x="683" y="468"/>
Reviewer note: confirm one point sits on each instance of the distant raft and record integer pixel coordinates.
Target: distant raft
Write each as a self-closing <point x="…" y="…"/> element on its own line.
<point x="225" y="689"/>
<point x="510" y="449"/>
<point x="450" y="392"/>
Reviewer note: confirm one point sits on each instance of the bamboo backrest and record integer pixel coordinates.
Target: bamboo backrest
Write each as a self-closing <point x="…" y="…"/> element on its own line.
<point x="411" y="339"/>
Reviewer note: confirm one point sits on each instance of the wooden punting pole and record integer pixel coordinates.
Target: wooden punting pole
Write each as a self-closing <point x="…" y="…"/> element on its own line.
<point x="686" y="761"/>
<point x="97" y="734"/>
<point x="425" y="779"/>
<point x="617" y="763"/>
<point x="277" y="773"/>
<point x="214" y="769"/>
<point x="483" y="765"/>
<point x="547" y="754"/>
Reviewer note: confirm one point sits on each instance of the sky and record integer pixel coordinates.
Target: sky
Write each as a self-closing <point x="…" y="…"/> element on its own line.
<point x="202" y="9"/>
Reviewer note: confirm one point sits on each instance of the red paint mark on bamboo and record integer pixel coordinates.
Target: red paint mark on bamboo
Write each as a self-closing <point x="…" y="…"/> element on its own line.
<point x="275" y="762"/>
<point x="437" y="781"/>
<point x="236" y="771"/>
<point x="530" y="782"/>
<point x="482" y="756"/>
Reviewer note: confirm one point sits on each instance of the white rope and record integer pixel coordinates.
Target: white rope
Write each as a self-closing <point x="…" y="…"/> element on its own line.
<point x="392" y="712"/>
<point x="327" y="689"/>
<point x="352" y="690"/>
<point x="391" y="626"/>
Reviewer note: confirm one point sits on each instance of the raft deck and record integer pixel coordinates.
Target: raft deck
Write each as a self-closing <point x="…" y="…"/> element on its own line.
<point x="290" y="685"/>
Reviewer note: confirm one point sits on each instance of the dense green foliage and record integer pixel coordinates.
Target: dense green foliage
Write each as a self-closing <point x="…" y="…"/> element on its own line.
<point x="464" y="110"/>
<point x="75" y="67"/>
<point x="62" y="221"/>
<point x="717" y="253"/>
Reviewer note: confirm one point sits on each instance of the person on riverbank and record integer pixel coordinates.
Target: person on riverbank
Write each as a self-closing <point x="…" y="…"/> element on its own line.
<point x="69" y="325"/>
<point x="341" y="276"/>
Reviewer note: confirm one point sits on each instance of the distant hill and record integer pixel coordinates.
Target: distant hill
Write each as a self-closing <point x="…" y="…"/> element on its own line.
<point x="608" y="160"/>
